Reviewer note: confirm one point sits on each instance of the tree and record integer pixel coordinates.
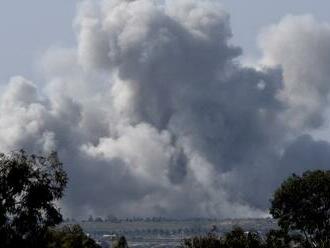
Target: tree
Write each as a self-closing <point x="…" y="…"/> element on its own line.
<point x="209" y="241"/>
<point x="29" y="187"/>
<point x="69" y="237"/>
<point x="237" y="238"/>
<point x="120" y="243"/>
<point x="302" y="204"/>
<point x="278" y="239"/>
<point x="253" y="240"/>
<point x="90" y="218"/>
<point x="98" y="219"/>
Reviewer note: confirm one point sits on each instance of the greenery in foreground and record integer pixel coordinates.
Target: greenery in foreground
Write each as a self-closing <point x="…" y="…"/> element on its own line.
<point x="30" y="185"/>
<point x="69" y="237"/>
<point x="302" y="207"/>
<point x="237" y="238"/>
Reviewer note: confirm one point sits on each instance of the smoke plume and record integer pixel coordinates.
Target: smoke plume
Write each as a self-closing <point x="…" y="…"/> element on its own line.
<point x="153" y="114"/>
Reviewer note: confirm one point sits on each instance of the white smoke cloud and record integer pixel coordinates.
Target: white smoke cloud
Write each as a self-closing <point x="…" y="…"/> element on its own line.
<point x="22" y="118"/>
<point x="153" y="114"/>
<point x="300" y="45"/>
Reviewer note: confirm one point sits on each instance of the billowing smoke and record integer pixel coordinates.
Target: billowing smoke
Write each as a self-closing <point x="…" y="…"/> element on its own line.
<point x="153" y="114"/>
<point x="301" y="45"/>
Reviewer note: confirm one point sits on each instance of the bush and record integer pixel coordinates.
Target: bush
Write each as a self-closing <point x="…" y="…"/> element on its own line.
<point x="302" y="204"/>
<point x="237" y="238"/>
<point x="69" y="237"/>
<point x="29" y="186"/>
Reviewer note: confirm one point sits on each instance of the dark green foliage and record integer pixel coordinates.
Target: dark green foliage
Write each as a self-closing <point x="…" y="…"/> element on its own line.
<point x="69" y="237"/>
<point x="302" y="204"/>
<point x="254" y="240"/>
<point x="237" y="238"/>
<point x="209" y="241"/>
<point x="29" y="186"/>
<point x="302" y="207"/>
<point x="120" y="243"/>
<point x="278" y="239"/>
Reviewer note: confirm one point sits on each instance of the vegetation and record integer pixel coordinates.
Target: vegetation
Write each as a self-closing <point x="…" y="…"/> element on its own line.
<point x="302" y="204"/>
<point x="302" y="207"/>
<point x="120" y="243"/>
<point x="69" y="237"/>
<point x="29" y="187"/>
<point x="237" y="238"/>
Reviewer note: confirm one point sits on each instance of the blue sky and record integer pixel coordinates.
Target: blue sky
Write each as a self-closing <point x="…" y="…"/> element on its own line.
<point x="27" y="28"/>
<point x="249" y="17"/>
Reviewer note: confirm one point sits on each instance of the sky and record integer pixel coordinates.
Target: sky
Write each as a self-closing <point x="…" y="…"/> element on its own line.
<point x="164" y="107"/>
<point x="27" y="29"/>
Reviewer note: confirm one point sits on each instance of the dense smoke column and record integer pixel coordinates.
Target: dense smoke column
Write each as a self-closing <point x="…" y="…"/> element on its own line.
<point x="154" y="115"/>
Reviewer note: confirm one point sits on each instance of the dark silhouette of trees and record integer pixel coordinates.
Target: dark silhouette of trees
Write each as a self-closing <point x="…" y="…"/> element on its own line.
<point x="302" y="204"/>
<point x="302" y="207"/>
<point x="209" y="241"/>
<point x="237" y="238"/>
<point x="278" y="239"/>
<point x="90" y="219"/>
<point x="69" y="237"/>
<point x="29" y="186"/>
<point x="120" y="243"/>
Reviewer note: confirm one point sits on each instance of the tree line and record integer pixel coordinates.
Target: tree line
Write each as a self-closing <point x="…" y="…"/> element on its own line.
<point x="30" y="186"/>
<point x="301" y="205"/>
